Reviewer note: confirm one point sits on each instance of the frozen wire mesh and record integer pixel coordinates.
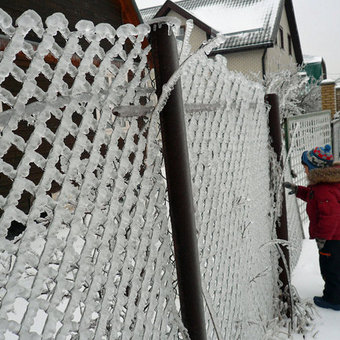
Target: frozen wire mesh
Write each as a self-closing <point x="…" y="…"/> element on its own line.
<point x="229" y="156"/>
<point x="85" y="248"/>
<point x="295" y="227"/>
<point x="305" y="132"/>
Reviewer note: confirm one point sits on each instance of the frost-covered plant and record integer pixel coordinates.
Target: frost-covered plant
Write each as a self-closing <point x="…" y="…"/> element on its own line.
<point x="298" y="94"/>
<point x="301" y="322"/>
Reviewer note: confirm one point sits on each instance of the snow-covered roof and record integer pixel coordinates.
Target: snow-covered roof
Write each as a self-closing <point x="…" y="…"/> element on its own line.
<point x="149" y="13"/>
<point x="311" y="59"/>
<point x="244" y="22"/>
<point x="327" y="82"/>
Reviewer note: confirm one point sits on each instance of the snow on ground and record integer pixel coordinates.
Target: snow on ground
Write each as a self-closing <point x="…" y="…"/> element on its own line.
<point x="308" y="282"/>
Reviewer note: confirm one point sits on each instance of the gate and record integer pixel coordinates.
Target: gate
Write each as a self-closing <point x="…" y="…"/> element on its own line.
<point x="336" y="139"/>
<point x="303" y="133"/>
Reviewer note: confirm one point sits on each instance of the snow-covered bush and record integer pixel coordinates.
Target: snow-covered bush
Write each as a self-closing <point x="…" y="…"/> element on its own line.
<point x="298" y="94"/>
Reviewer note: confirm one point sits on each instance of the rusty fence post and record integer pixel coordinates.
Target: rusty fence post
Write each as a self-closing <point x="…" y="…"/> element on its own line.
<point x="175" y="151"/>
<point x="281" y="224"/>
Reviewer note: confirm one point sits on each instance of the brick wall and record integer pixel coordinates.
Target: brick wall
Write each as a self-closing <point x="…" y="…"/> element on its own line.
<point x="328" y="96"/>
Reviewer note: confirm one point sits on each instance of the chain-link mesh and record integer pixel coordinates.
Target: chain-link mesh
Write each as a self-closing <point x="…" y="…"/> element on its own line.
<point x="85" y="248"/>
<point x="229" y="155"/>
<point x="295" y="227"/>
<point x="305" y="132"/>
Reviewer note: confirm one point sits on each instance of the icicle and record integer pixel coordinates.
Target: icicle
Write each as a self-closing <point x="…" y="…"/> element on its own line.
<point x="6" y="23"/>
<point x="30" y="20"/>
<point x="186" y="47"/>
<point x="57" y="22"/>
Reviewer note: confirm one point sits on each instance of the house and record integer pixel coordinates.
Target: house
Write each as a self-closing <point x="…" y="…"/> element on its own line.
<point x="201" y="31"/>
<point x="261" y="35"/>
<point x="315" y="67"/>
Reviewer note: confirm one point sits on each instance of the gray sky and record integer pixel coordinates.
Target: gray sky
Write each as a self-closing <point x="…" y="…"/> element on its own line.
<point x="318" y="24"/>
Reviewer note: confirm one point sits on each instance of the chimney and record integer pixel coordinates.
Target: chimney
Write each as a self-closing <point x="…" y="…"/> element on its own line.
<point x="328" y="98"/>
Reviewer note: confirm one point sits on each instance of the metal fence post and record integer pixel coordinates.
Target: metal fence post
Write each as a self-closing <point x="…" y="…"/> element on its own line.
<point x="281" y="224"/>
<point x="175" y="150"/>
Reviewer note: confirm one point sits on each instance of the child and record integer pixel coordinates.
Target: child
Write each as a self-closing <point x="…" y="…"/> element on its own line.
<point x="323" y="208"/>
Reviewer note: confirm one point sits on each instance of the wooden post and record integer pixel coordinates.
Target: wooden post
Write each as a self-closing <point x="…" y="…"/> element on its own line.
<point x="175" y="150"/>
<point x="281" y="224"/>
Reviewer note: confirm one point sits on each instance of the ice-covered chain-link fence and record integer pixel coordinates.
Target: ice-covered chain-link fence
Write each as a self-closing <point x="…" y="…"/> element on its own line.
<point x="303" y="133"/>
<point x="294" y="221"/>
<point x="227" y="123"/>
<point x="85" y="248"/>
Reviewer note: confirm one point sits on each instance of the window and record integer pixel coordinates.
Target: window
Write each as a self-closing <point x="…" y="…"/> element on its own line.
<point x="282" y="45"/>
<point x="181" y="33"/>
<point x="290" y="50"/>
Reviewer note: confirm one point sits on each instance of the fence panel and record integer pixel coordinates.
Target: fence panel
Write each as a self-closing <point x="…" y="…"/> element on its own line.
<point x="336" y="139"/>
<point x="85" y="246"/>
<point x="229" y="151"/>
<point x="296" y="231"/>
<point x="304" y="132"/>
<point x="85" y="243"/>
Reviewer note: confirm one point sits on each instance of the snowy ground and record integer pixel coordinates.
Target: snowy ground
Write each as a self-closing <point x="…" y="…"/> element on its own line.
<point x="308" y="282"/>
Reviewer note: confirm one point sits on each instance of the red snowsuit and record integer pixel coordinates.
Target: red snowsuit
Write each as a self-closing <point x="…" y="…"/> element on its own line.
<point x="323" y="202"/>
<point x="323" y="208"/>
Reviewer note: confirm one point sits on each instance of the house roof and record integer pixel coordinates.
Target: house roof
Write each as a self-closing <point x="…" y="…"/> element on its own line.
<point x="160" y="11"/>
<point x="315" y="66"/>
<point x="247" y="24"/>
<point x="312" y="59"/>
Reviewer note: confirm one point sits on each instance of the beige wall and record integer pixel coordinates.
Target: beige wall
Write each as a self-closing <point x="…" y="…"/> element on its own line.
<point x="248" y="62"/>
<point x="278" y="58"/>
<point x="197" y="35"/>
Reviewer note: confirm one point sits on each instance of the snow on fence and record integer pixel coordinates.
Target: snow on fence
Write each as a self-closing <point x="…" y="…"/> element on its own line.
<point x="85" y="247"/>
<point x="294" y="221"/>
<point x="85" y="243"/>
<point x="230" y="157"/>
<point x="304" y="132"/>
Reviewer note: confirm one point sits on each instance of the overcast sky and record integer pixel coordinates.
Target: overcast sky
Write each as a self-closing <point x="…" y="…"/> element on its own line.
<point x="318" y="24"/>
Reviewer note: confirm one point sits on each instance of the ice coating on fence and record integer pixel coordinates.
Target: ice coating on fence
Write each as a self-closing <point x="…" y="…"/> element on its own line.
<point x="305" y="133"/>
<point x="232" y="196"/>
<point x="86" y="194"/>
<point x="85" y="243"/>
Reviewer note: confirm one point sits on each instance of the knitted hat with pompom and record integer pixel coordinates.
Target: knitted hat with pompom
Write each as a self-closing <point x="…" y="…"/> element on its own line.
<point x="319" y="157"/>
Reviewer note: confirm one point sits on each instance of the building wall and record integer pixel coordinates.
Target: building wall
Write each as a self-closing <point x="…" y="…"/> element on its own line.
<point x="278" y="58"/>
<point x="328" y="96"/>
<point x="250" y="62"/>
<point x="197" y="35"/>
<point x="247" y="62"/>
